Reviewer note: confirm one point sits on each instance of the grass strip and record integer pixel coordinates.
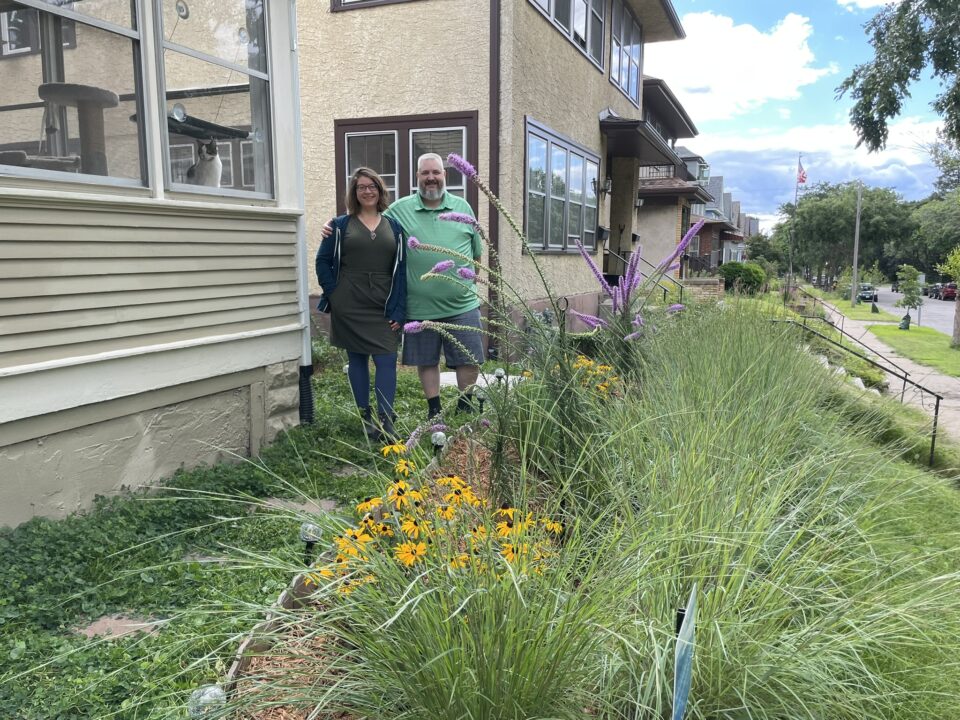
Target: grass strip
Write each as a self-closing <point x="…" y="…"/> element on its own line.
<point x="922" y="345"/>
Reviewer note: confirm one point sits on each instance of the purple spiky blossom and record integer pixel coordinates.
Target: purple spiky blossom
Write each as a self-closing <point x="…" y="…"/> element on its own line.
<point x="637" y="321"/>
<point x="442" y="266"/>
<point x="632" y="336"/>
<point x="459" y="218"/>
<point x="595" y="270"/>
<point x="590" y="320"/>
<point x="438" y="427"/>
<point x="678" y="250"/>
<point x="462" y="165"/>
<point x="414" y="326"/>
<point x="466" y="273"/>
<point x="484" y="422"/>
<point x="674" y="267"/>
<point x="675" y="308"/>
<point x="413" y="243"/>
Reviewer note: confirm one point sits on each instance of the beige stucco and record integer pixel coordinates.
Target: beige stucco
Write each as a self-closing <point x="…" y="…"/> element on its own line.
<point x="404" y="59"/>
<point x="59" y="471"/>
<point x="659" y="226"/>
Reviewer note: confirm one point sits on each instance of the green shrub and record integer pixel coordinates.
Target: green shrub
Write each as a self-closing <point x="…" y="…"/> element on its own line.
<point x="744" y="277"/>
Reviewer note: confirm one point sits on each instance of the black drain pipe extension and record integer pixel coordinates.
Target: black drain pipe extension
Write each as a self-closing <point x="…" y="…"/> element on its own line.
<point x="306" y="395"/>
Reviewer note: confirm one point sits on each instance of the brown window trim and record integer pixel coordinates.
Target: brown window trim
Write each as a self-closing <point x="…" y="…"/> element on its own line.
<point x="346" y="5"/>
<point x="626" y="91"/>
<point x="403" y="124"/>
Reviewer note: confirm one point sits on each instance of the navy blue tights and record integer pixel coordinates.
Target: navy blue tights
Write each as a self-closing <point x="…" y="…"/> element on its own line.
<point x="385" y="384"/>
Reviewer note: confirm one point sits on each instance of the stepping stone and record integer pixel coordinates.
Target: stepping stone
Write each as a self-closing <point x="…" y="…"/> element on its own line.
<point x="118" y="626"/>
<point x="301" y="506"/>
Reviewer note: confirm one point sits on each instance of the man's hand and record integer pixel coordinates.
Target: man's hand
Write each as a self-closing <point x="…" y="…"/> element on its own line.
<point x="327" y="229"/>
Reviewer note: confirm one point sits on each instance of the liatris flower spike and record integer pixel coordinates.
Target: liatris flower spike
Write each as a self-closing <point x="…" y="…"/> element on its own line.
<point x="462" y="165"/>
<point x="412" y="327"/>
<point x="413" y="243"/>
<point x="631" y="336"/>
<point x="466" y="273"/>
<point x="591" y="320"/>
<point x="637" y="321"/>
<point x="442" y="266"/>
<point x="677" y="307"/>
<point x="459" y="217"/>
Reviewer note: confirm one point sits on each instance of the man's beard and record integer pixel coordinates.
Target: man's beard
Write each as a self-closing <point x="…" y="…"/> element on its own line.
<point x="431" y="192"/>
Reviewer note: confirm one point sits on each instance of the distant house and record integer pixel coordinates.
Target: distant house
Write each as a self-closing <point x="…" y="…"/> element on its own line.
<point x="151" y="316"/>
<point x="546" y="97"/>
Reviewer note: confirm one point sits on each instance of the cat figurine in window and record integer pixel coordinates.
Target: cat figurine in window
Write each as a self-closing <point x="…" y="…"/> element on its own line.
<point x="208" y="167"/>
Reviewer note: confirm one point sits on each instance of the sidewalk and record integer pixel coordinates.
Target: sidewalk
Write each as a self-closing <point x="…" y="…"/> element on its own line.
<point x="946" y="385"/>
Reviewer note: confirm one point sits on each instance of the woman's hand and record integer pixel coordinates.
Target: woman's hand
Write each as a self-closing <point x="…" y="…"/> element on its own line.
<point x="394" y="325"/>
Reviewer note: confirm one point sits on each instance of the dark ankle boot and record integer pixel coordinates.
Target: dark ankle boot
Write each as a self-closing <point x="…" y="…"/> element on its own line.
<point x="386" y="426"/>
<point x="370" y="428"/>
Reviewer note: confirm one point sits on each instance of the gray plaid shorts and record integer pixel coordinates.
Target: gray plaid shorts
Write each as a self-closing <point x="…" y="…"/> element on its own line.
<point x="423" y="348"/>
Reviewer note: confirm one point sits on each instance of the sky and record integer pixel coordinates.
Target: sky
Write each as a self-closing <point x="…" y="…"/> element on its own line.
<point x="759" y="81"/>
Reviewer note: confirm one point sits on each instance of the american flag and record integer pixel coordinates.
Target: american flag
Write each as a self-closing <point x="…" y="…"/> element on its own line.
<point x="801" y="174"/>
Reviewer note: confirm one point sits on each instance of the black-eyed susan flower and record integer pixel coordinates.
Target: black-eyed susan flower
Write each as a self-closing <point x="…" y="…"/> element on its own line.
<point x="555" y="527"/>
<point x="460" y="561"/>
<point x="410" y="526"/>
<point x="453" y="481"/>
<point x="401" y="495"/>
<point x="369" y="504"/>
<point x="404" y="467"/>
<point x="506" y="528"/>
<point x="505" y="511"/>
<point x="479" y="533"/>
<point x="409" y="553"/>
<point x="446" y="512"/>
<point x="395" y="449"/>
<point x="384" y="530"/>
<point x="513" y="551"/>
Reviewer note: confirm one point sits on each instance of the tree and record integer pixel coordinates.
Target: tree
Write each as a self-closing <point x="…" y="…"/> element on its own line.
<point x="906" y="38"/>
<point x="766" y="251"/>
<point x="945" y="154"/>
<point x="910" y="287"/>
<point x="951" y="267"/>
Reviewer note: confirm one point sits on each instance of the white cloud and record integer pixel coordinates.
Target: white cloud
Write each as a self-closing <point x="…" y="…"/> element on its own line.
<point x="851" y="5"/>
<point x="744" y="69"/>
<point x="784" y="113"/>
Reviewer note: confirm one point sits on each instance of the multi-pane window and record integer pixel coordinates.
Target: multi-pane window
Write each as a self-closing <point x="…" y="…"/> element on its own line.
<point x="625" y="52"/>
<point x="561" y="181"/>
<point x="582" y="21"/>
<point x="391" y="146"/>
<point x="20" y="32"/>
<point x="71" y="92"/>
<point x="217" y="90"/>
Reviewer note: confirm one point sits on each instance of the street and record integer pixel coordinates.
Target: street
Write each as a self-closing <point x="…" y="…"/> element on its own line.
<point x="936" y="314"/>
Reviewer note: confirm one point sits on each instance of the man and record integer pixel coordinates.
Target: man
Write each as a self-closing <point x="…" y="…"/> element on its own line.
<point x="454" y="303"/>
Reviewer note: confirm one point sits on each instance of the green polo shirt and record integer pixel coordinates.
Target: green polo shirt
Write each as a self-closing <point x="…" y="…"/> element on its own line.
<point x="433" y="298"/>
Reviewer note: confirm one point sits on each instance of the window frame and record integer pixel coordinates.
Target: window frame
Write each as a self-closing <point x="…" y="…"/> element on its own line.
<point x="347" y="5"/>
<point x="69" y="38"/>
<point x="403" y="124"/>
<point x="396" y="155"/>
<point x="463" y="153"/>
<point x="617" y="42"/>
<point x="140" y="49"/>
<point x="547" y="8"/>
<point x="161" y="46"/>
<point x="588" y="157"/>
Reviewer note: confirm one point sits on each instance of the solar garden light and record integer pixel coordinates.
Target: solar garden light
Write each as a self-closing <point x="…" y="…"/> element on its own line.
<point x="481" y="395"/>
<point x="438" y="439"/>
<point x="346" y="369"/>
<point x="499" y="374"/>
<point x="310" y="535"/>
<point x="207" y="701"/>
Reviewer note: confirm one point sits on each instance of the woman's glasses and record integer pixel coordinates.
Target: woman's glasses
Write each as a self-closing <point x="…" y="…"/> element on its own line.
<point x="367" y="188"/>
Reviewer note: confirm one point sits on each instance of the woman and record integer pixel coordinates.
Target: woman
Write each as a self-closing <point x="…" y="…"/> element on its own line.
<point x="362" y="269"/>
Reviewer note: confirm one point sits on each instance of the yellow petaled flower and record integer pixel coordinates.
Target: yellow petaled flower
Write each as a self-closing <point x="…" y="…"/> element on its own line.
<point x="446" y="512"/>
<point x="409" y="553"/>
<point x="455" y="496"/>
<point x="369" y="504"/>
<point x="384" y="530"/>
<point x="401" y="495"/>
<point x="582" y="361"/>
<point x="346" y="547"/>
<point x="527" y="374"/>
<point x="410" y="526"/>
<point x="505" y="528"/>
<point x="506" y="512"/>
<point x="347" y="586"/>
<point x="480" y="533"/>
<point x="326" y="572"/>
<point x="358" y="536"/>
<point x="460" y="561"/>
<point x="553" y="526"/>
<point x="604" y="368"/>
<point x="454" y="481"/>
<point x="603" y="387"/>
<point x="513" y="551"/>
<point x="396" y="449"/>
<point x="404" y="467"/>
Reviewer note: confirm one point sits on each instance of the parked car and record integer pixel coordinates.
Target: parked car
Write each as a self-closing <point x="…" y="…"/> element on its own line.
<point x="949" y="291"/>
<point x="868" y="293"/>
<point x="895" y="286"/>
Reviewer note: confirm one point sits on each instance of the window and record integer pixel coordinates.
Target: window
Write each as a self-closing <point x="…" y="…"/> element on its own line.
<point x="561" y="181"/>
<point x="20" y="32"/>
<point x="391" y="146"/>
<point x="693" y="249"/>
<point x="581" y="21"/>
<point x="337" y="5"/>
<point x="625" y="52"/>
<point x="217" y="91"/>
<point x="75" y="114"/>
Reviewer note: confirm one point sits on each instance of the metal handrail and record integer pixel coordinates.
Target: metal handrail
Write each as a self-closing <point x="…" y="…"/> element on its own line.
<point x="673" y="280"/>
<point x="921" y="388"/>
<point x="665" y="289"/>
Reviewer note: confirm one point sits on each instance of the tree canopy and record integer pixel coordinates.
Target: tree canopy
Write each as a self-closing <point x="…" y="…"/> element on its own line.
<point x="907" y="38"/>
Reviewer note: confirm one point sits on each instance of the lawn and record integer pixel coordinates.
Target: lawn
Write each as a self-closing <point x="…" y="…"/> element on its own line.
<point x="922" y="345"/>
<point x="860" y="311"/>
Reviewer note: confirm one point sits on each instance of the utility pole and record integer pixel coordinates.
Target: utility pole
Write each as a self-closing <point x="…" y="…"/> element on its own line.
<point x="856" y="246"/>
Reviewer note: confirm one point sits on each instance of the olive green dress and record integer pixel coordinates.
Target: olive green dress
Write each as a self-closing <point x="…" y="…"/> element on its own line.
<point x="357" y="322"/>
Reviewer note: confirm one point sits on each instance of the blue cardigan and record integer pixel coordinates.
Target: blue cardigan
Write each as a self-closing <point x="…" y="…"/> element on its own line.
<point x="328" y="269"/>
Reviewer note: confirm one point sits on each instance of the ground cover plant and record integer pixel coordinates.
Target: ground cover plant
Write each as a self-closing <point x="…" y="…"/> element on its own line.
<point x="922" y="345"/>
